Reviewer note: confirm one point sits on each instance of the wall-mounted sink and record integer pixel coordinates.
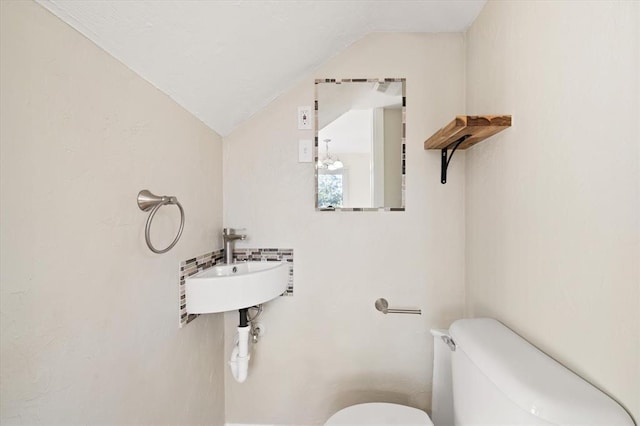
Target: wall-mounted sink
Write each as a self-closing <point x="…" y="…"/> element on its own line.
<point x="236" y="286"/>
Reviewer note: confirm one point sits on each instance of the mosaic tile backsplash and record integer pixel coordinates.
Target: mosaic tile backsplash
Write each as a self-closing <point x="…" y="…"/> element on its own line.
<point x="197" y="264"/>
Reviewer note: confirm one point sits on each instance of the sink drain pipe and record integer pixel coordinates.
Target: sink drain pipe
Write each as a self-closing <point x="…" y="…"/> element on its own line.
<point x="240" y="356"/>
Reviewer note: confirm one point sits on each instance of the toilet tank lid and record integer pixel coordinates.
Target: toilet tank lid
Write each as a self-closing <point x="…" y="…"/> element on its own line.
<point x="531" y="379"/>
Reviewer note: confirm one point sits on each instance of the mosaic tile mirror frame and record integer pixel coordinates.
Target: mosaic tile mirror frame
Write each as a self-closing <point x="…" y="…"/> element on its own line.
<point x="360" y="144"/>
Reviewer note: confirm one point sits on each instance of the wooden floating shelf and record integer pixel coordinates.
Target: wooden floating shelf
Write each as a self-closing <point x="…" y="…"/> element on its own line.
<point x="464" y="131"/>
<point x="477" y="127"/>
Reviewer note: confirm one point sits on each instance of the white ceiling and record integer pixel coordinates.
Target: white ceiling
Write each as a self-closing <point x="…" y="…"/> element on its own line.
<point x="225" y="60"/>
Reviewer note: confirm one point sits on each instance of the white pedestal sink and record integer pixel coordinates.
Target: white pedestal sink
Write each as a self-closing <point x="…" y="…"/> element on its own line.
<point x="240" y="285"/>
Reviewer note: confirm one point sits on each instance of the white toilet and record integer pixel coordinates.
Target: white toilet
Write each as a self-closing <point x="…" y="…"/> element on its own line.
<point x="485" y="374"/>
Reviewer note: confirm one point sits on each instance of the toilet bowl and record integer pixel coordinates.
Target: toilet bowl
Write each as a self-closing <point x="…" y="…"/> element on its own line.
<point x="380" y="413"/>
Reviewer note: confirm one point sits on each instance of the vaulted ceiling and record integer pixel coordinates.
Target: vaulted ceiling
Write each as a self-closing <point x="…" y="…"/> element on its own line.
<point x="223" y="61"/>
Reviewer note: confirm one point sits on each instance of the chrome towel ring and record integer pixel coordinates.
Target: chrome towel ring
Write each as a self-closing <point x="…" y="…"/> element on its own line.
<point x="150" y="202"/>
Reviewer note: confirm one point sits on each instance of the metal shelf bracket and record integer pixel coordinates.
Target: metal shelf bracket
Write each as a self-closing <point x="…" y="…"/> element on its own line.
<point x="446" y="158"/>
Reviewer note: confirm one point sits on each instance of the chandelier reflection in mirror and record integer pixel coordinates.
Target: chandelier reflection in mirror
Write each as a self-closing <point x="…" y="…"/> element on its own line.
<point x="329" y="162"/>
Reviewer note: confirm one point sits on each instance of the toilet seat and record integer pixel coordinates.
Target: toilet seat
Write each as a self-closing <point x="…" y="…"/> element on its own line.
<point x="380" y="413"/>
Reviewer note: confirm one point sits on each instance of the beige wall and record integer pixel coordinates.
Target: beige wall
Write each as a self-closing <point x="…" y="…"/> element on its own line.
<point x="552" y="204"/>
<point x="327" y="347"/>
<point x="89" y="323"/>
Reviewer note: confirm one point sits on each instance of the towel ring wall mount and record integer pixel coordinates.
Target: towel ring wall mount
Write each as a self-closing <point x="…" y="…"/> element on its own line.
<point x="151" y="203"/>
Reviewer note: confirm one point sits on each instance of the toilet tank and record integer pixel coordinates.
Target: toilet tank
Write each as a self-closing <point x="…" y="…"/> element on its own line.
<point x="501" y="379"/>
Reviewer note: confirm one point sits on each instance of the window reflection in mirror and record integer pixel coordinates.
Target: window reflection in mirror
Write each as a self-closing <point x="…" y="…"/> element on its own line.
<point x="360" y="144"/>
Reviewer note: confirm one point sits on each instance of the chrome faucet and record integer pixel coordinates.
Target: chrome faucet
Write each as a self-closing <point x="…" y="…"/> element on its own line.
<point x="230" y="236"/>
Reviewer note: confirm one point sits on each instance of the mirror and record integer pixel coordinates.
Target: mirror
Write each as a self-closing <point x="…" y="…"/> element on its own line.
<point x="360" y="144"/>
